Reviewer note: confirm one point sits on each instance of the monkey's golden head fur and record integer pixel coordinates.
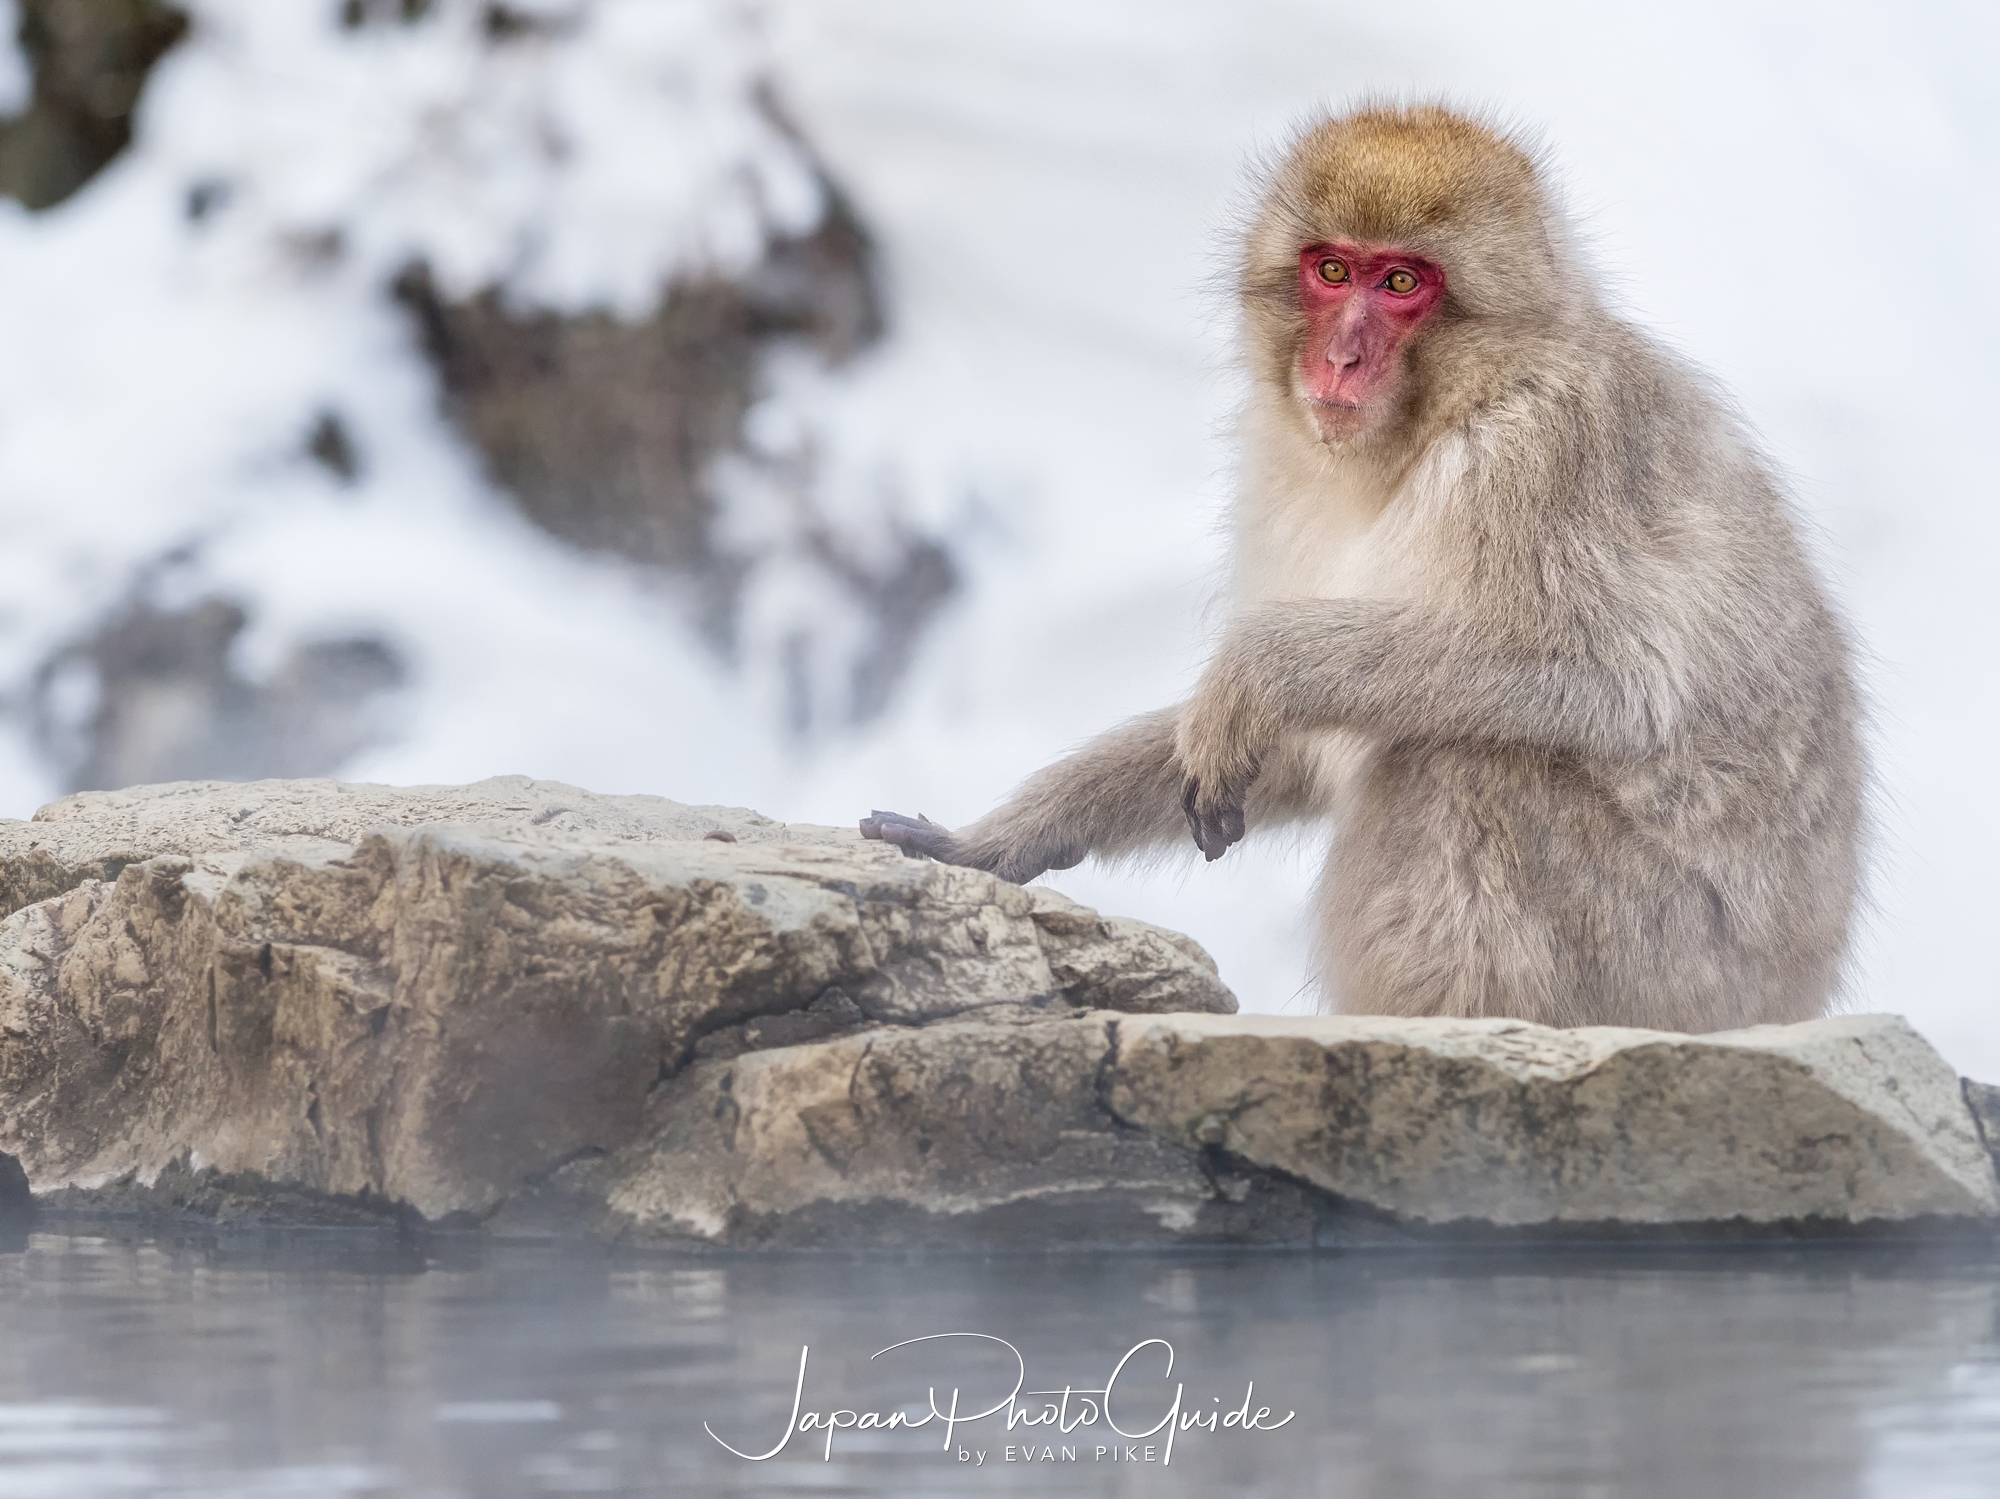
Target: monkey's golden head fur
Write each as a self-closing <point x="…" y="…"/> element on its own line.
<point x="1425" y="179"/>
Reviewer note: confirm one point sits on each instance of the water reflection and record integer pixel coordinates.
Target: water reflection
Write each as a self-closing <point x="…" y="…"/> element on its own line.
<point x="345" y="1362"/>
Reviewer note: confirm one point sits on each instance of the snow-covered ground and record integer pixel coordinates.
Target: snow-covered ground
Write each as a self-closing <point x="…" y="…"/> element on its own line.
<point x="1798" y="196"/>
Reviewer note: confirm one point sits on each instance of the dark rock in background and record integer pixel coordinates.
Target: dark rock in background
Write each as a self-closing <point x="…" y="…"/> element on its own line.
<point x="603" y="430"/>
<point x="152" y="695"/>
<point x="90" y="61"/>
<point x="355" y="14"/>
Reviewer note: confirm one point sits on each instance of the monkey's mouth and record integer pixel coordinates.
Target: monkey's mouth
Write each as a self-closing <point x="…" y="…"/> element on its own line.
<point x="1339" y="421"/>
<point x="1325" y="405"/>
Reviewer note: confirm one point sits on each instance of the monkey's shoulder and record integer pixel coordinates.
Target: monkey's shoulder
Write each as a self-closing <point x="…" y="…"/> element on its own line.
<point x="1615" y="430"/>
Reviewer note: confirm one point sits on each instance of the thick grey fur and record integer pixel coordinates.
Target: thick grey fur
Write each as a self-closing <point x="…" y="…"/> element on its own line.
<point x="1541" y="641"/>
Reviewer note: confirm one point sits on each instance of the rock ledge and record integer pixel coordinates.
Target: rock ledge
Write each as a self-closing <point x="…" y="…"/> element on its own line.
<point x="530" y="1008"/>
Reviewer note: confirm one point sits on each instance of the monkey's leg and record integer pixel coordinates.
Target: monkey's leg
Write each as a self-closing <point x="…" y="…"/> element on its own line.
<point x="1475" y="880"/>
<point x="1470" y="881"/>
<point x="1120" y="794"/>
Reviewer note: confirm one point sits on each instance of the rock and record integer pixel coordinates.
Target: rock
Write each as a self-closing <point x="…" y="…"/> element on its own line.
<point x="1842" y="1121"/>
<point x="91" y="59"/>
<point x="612" y="433"/>
<point x="971" y="1133"/>
<point x="15" y="1192"/>
<point x="1983" y="1099"/>
<point x="438" y="996"/>
<point x="1331" y="1130"/>
<point x="523" y="1006"/>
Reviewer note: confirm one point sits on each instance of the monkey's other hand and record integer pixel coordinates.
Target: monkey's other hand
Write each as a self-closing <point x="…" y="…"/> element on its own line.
<point x="1215" y="819"/>
<point x="1219" y="761"/>
<point x="917" y="837"/>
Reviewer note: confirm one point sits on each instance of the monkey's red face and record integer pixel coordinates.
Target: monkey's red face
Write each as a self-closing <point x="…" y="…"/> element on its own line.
<point x="1362" y="304"/>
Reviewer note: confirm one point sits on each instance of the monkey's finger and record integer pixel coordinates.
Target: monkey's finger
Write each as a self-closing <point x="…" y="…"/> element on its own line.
<point x="885" y="825"/>
<point x="1209" y="836"/>
<point x="1230" y="819"/>
<point x="1191" y="805"/>
<point x="1214" y="827"/>
<point x="1209" y="842"/>
<point x="917" y="837"/>
<point x="893" y="828"/>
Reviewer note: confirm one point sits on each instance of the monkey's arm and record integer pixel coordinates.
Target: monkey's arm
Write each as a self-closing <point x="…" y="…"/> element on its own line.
<point x="1119" y="794"/>
<point x="1397" y="671"/>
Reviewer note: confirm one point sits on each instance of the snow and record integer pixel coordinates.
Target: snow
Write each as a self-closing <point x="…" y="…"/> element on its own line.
<point x="166" y="367"/>
<point x="1800" y="197"/>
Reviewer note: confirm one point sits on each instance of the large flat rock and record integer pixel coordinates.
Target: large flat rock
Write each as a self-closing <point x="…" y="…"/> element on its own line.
<point x="526" y="1007"/>
<point x="437" y="996"/>
<point x="1341" y="1130"/>
<point x="1841" y="1121"/>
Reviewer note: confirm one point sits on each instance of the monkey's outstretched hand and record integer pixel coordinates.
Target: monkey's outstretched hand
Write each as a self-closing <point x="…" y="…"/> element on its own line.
<point x="1012" y="857"/>
<point x="917" y="837"/>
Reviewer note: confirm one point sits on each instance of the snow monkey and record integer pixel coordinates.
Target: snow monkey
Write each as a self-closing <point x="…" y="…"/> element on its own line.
<point x="1517" y="604"/>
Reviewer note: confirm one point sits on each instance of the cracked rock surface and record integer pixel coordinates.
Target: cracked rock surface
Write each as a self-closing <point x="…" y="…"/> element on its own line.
<point x="437" y="997"/>
<point x="532" y="1008"/>
<point x="1838" y="1121"/>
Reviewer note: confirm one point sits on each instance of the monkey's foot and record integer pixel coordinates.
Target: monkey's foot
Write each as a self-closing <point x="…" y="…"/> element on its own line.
<point x="917" y="837"/>
<point x="1215" y="820"/>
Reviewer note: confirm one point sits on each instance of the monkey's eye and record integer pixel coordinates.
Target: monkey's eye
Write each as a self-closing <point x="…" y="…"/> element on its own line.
<point x="1332" y="271"/>
<point x="1402" y="283"/>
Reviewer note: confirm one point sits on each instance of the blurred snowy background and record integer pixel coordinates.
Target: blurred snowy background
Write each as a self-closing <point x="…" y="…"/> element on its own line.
<point x="820" y="406"/>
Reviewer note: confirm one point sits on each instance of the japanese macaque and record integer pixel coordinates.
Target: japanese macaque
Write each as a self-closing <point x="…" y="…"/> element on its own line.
<point x="1517" y="604"/>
